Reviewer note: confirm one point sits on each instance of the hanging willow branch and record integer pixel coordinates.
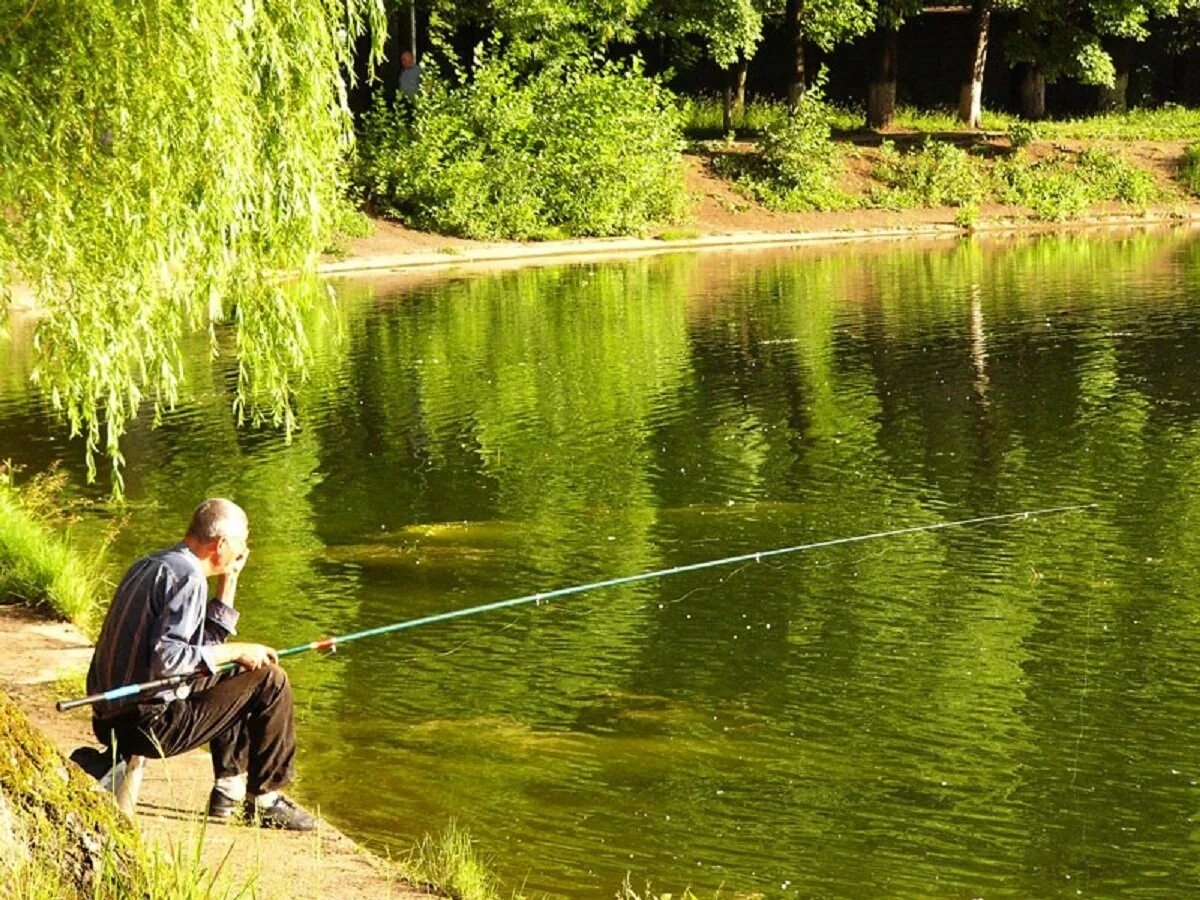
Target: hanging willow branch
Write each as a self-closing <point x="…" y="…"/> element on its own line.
<point x="157" y="160"/>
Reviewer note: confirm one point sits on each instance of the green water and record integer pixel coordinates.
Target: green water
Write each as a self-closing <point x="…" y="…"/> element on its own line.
<point x="1003" y="711"/>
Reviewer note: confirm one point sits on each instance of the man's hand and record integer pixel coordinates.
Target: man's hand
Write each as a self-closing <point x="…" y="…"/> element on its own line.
<point x="248" y="656"/>
<point x="227" y="581"/>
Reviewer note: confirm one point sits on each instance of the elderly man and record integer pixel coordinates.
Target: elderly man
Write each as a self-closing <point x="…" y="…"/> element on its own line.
<point x="161" y="622"/>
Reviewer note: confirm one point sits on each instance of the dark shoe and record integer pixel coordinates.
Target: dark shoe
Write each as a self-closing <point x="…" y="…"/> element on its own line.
<point x="93" y="761"/>
<point x="283" y="813"/>
<point x="221" y="807"/>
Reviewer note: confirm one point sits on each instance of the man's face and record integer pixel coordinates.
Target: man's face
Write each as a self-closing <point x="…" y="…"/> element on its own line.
<point x="406" y="60"/>
<point x="232" y="550"/>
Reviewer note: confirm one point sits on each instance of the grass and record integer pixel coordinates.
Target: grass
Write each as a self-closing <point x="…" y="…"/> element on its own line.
<point x="38" y="568"/>
<point x="449" y="863"/>
<point x="678" y="234"/>
<point x="1189" y="171"/>
<point x="703" y="118"/>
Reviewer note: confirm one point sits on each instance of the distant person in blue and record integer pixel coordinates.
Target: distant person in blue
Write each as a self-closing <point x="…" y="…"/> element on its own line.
<point x="410" y="74"/>
<point x="161" y="623"/>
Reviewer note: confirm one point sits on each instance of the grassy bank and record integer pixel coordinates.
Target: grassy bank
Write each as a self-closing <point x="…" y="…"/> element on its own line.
<point x="37" y="566"/>
<point x="61" y="839"/>
<point x="703" y="119"/>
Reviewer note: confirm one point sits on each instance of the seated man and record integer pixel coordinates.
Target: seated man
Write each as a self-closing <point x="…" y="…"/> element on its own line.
<point x="162" y="623"/>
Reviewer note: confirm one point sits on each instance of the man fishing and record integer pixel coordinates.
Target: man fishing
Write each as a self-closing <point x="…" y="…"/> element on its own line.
<point x="161" y="623"/>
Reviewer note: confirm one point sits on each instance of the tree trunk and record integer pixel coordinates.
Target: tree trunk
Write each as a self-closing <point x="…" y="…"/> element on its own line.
<point x="734" y="107"/>
<point x="741" y="70"/>
<point x="794" y="23"/>
<point x="881" y="93"/>
<point x="1033" y="93"/>
<point x="970" y="102"/>
<point x="1116" y="98"/>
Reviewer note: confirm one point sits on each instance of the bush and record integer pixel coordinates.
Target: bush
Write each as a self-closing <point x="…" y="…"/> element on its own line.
<point x="1190" y="169"/>
<point x="576" y="149"/>
<point x="797" y="166"/>
<point x="939" y="174"/>
<point x="1022" y="134"/>
<point x="1057" y="188"/>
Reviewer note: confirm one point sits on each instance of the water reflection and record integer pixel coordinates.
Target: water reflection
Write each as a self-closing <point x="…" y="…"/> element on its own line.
<point x="1004" y="711"/>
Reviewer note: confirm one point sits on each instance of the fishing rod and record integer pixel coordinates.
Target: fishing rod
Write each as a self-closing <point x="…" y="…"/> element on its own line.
<point x="330" y="644"/>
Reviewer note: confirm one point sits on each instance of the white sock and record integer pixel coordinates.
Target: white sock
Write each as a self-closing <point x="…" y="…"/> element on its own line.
<point x="262" y="801"/>
<point x="232" y="787"/>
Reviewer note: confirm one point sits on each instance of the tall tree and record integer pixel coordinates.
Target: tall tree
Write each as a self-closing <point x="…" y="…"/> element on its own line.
<point x="1075" y="39"/>
<point x="881" y="87"/>
<point x="726" y="32"/>
<point x="824" y="23"/>
<point x="970" y="101"/>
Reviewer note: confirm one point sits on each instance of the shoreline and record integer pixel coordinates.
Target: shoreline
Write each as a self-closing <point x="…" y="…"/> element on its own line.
<point x="394" y="248"/>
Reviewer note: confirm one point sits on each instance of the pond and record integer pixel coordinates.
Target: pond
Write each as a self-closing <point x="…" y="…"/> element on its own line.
<point x="1008" y="710"/>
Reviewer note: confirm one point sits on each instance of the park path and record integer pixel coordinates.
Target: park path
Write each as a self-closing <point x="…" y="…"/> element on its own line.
<point x="40" y="652"/>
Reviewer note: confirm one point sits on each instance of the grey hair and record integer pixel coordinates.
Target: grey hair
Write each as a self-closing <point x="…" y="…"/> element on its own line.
<point x="215" y="518"/>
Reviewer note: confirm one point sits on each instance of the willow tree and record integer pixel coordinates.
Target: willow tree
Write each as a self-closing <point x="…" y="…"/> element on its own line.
<point x="161" y="162"/>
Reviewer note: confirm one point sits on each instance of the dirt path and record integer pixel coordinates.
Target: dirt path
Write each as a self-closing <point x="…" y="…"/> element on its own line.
<point x="39" y="652"/>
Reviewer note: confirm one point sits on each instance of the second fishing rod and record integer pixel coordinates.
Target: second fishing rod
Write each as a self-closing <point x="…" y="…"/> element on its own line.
<point x="330" y="644"/>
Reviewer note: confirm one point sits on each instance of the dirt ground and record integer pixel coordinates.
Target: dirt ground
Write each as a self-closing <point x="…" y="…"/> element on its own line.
<point x="720" y="215"/>
<point x="39" y="652"/>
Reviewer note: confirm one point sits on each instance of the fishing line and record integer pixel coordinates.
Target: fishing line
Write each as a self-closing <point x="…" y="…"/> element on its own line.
<point x="540" y="597"/>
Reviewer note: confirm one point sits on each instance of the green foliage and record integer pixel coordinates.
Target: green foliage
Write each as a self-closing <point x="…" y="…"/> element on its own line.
<point x="155" y="163"/>
<point x="1190" y="169"/>
<point x="967" y="216"/>
<point x="1166" y="122"/>
<point x="1022" y="134"/>
<point x="938" y="174"/>
<point x="1059" y="187"/>
<point x="37" y="567"/>
<point x="453" y="867"/>
<point x="577" y="149"/>
<point x="703" y="115"/>
<point x="797" y="167"/>
<point x="725" y="30"/>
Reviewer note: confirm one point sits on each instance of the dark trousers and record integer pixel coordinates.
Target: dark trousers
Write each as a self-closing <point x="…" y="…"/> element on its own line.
<point x="245" y="717"/>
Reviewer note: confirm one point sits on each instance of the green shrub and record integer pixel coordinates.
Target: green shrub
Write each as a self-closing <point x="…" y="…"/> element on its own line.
<point x="1110" y="177"/>
<point x="1049" y="187"/>
<point x="939" y="174"/>
<point x="1190" y="169"/>
<point x="576" y="149"/>
<point x="1058" y="188"/>
<point x="1022" y="134"/>
<point x="797" y="166"/>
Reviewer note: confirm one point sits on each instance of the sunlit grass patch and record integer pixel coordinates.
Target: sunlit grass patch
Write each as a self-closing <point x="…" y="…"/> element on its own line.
<point x="1189" y="170"/>
<point x="450" y="864"/>
<point x="1061" y="187"/>
<point x="37" y="567"/>
<point x="1167" y="122"/>
<point x="937" y="174"/>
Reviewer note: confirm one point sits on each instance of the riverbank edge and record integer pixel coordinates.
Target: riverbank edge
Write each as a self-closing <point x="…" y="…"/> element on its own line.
<point x="481" y="253"/>
<point x="46" y="653"/>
